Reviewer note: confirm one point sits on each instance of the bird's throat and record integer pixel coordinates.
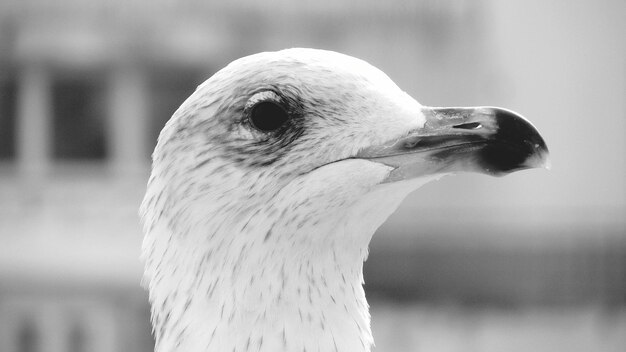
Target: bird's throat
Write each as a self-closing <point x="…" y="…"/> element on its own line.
<point x="261" y="300"/>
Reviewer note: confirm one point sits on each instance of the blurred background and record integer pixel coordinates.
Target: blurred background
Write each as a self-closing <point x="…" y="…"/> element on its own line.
<point x="535" y="261"/>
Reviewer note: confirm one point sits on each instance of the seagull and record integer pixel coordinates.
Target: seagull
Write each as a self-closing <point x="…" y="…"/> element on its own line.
<point x="268" y="183"/>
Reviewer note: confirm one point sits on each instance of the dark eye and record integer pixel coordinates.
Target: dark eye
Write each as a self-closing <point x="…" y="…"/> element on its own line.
<point x="268" y="116"/>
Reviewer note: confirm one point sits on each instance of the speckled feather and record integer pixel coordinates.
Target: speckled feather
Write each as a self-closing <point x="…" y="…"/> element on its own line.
<point x="255" y="241"/>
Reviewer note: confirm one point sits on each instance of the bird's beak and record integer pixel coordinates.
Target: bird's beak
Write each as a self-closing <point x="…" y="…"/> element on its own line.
<point x="488" y="140"/>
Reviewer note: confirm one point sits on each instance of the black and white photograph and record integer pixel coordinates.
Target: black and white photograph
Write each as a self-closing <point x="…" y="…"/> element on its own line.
<point x="312" y="176"/>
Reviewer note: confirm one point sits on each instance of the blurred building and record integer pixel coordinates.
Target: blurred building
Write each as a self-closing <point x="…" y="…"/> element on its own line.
<point x="86" y="86"/>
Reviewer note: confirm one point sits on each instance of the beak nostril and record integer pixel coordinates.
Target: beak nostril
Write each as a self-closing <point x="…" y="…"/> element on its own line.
<point x="411" y="143"/>
<point x="468" y="126"/>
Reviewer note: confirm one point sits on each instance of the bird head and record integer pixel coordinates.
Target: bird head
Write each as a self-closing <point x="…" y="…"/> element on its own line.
<point x="270" y="179"/>
<point x="324" y="125"/>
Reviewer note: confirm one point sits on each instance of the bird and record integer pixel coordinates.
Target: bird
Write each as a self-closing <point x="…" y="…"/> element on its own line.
<point x="268" y="183"/>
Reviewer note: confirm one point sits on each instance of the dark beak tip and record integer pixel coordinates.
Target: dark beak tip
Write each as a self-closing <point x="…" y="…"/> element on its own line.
<point x="518" y="145"/>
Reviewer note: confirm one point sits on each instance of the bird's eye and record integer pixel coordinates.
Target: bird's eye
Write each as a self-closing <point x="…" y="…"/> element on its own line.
<point x="268" y="116"/>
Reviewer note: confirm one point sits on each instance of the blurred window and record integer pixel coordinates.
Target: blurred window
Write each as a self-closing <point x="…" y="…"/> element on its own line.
<point x="79" y="113"/>
<point x="168" y="90"/>
<point x="8" y="96"/>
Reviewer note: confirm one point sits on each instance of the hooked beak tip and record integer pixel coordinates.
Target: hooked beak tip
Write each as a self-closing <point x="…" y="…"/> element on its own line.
<point x="539" y="160"/>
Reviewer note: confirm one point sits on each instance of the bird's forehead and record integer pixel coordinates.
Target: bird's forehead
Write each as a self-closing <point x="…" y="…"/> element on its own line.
<point x="302" y="68"/>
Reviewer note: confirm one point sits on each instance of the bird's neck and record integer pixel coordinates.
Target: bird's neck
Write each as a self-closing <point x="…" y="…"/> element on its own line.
<point x="285" y="275"/>
<point x="263" y="296"/>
